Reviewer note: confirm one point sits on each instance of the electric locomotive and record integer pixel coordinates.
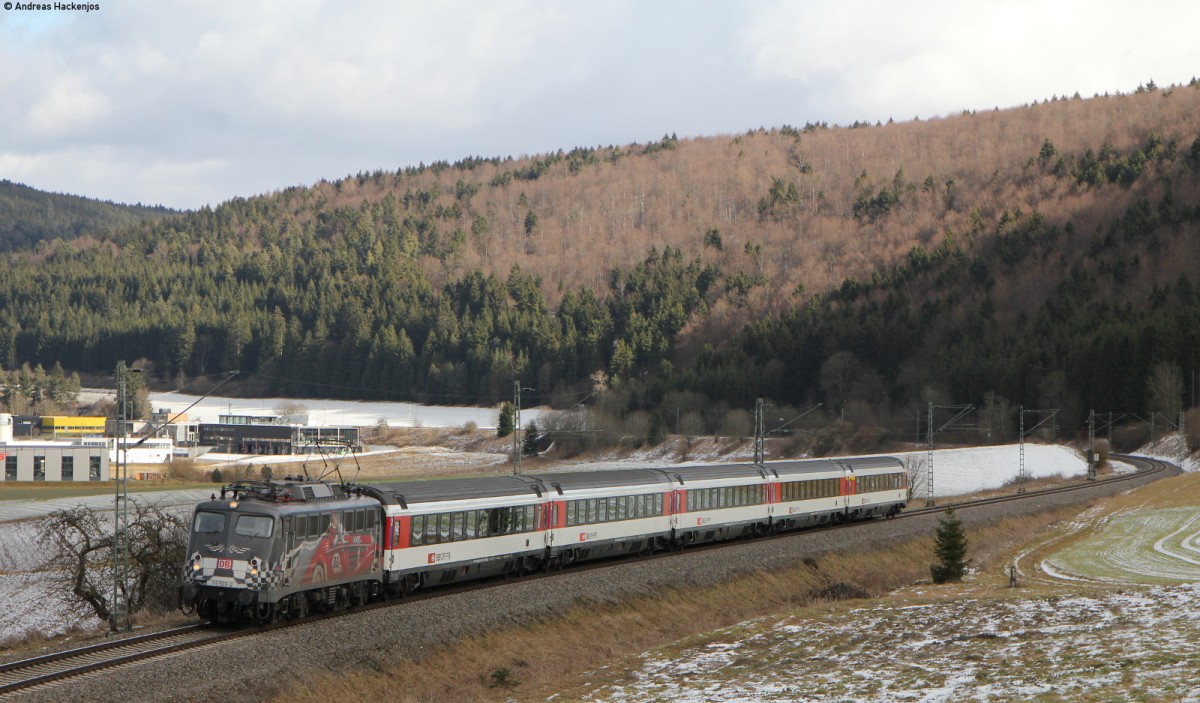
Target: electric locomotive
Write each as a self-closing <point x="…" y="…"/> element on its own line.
<point x="268" y="549"/>
<point x="271" y="549"/>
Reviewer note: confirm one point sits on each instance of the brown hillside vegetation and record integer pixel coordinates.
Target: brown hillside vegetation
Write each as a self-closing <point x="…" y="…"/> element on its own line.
<point x="781" y="201"/>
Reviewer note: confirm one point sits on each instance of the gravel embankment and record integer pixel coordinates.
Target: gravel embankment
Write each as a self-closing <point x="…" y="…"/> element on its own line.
<point x="253" y="668"/>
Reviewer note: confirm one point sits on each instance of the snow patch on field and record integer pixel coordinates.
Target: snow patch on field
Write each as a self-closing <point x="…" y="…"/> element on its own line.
<point x="969" y="650"/>
<point x="1143" y="546"/>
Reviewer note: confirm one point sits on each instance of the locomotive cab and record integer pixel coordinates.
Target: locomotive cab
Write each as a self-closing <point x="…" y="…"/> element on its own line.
<point x="268" y="549"/>
<point x="233" y="552"/>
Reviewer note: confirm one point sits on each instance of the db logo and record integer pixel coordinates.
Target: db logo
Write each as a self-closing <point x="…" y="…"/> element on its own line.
<point x="225" y="564"/>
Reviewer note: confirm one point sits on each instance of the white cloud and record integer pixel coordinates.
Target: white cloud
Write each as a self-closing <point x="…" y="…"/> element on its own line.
<point x="67" y="105"/>
<point x="228" y="98"/>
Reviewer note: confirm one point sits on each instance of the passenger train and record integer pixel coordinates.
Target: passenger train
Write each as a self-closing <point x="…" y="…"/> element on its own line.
<point x="271" y="549"/>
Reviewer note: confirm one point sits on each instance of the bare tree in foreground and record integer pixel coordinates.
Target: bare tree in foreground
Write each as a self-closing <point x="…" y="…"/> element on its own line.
<point x="79" y="550"/>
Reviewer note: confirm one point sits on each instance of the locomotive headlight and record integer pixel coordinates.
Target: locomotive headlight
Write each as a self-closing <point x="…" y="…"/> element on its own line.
<point x="254" y="564"/>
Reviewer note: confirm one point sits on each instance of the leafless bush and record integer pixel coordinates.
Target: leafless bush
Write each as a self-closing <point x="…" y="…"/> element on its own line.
<point x="737" y="423"/>
<point x="79" y="547"/>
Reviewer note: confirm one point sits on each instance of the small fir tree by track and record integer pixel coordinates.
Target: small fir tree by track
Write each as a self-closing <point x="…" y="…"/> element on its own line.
<point x="950" y="549"/>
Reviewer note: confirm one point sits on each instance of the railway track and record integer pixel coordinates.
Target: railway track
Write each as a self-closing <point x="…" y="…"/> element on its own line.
<point x="49" y="668"/>
<point x="52" y="668"/>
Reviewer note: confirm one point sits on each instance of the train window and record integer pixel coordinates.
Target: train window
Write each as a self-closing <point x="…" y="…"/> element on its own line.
<point x="207" y="522"/>
<point x="314" y="526"/>
<point x="456" y="527"/>
<point x="360" y="520"/>
<point x="571" y="507"/>
<point x="622" y="507"/>
<point x="418" y="530"/>
<point x="254" y="525"/>
<point x="602" y="505"/>
<point x="431" y="529"/>
<point x="471" y="521"/>
<point x="444" y="527"/>
<point x="481" y="523"/>
<point x="372" y="519"/>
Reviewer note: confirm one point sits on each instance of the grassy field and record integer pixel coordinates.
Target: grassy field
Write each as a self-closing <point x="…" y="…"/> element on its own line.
<point x="1105" y="611"/>
<point x="779" y="637"/>
<point x="42" y="490"/>
<point x="594" y="651"/>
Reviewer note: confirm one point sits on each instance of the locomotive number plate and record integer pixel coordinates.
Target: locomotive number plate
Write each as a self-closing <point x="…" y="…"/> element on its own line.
<point x="223" y="582"/>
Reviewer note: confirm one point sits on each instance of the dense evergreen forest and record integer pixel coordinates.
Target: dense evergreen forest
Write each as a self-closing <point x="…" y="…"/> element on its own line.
<point x="1042" y="256"/>
<point x="29" y="216"/>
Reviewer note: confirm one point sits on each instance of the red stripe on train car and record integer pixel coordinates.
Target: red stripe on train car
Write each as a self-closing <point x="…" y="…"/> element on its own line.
<point x="405" y="531"/>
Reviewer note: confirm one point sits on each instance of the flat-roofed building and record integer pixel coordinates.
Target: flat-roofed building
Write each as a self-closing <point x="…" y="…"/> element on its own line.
<point x="80" y="459"/>
<point x="54" y="426"/>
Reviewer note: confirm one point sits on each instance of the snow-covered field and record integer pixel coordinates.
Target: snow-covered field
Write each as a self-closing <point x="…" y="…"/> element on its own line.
<point x="1137" y="645"/>
<point x="324" y="412"/>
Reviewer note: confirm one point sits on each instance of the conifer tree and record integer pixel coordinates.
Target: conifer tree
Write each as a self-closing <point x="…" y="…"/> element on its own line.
<point x="950" y="548"/>
<point x="504" y="425"/>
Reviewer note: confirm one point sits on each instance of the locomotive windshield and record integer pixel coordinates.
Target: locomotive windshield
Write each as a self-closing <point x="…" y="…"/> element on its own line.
<point x="209" y="522"/>
<point x="254" y="525"/>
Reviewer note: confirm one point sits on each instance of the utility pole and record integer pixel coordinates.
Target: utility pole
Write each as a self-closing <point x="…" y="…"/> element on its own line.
<point x="929" y="470"/>
<point x="962" y="412"/>
<point x="1091" y="475"/>
<point x="1022" y="475"/>
<point x="1021" y="468"/>
<point x="119" y="615"/>
<point x="517" y="448"/>
<point x="758" y="431"/>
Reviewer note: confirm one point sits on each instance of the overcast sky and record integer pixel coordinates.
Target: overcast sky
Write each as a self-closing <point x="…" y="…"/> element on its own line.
<point x="192" y="102"/>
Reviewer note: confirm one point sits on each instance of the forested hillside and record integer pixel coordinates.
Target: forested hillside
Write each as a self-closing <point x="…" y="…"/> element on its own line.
<point x="1041" y="255"/>
<point x="28" y="216"/>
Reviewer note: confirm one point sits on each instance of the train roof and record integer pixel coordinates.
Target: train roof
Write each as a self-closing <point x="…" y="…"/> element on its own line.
<point x="584" y="480"/>
<point x="862" y="463"/>
<point x="802" y="468"/>
<point x="714" y="471"/>
<point x="438" y="490"/>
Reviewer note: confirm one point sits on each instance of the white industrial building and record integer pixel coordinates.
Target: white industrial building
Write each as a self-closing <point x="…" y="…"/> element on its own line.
<point x="82" y="459"/>
<point x="141" y="450"/>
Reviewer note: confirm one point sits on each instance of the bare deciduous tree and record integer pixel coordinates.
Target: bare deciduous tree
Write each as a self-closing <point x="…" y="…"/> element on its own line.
<point x="79" y="545"/>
